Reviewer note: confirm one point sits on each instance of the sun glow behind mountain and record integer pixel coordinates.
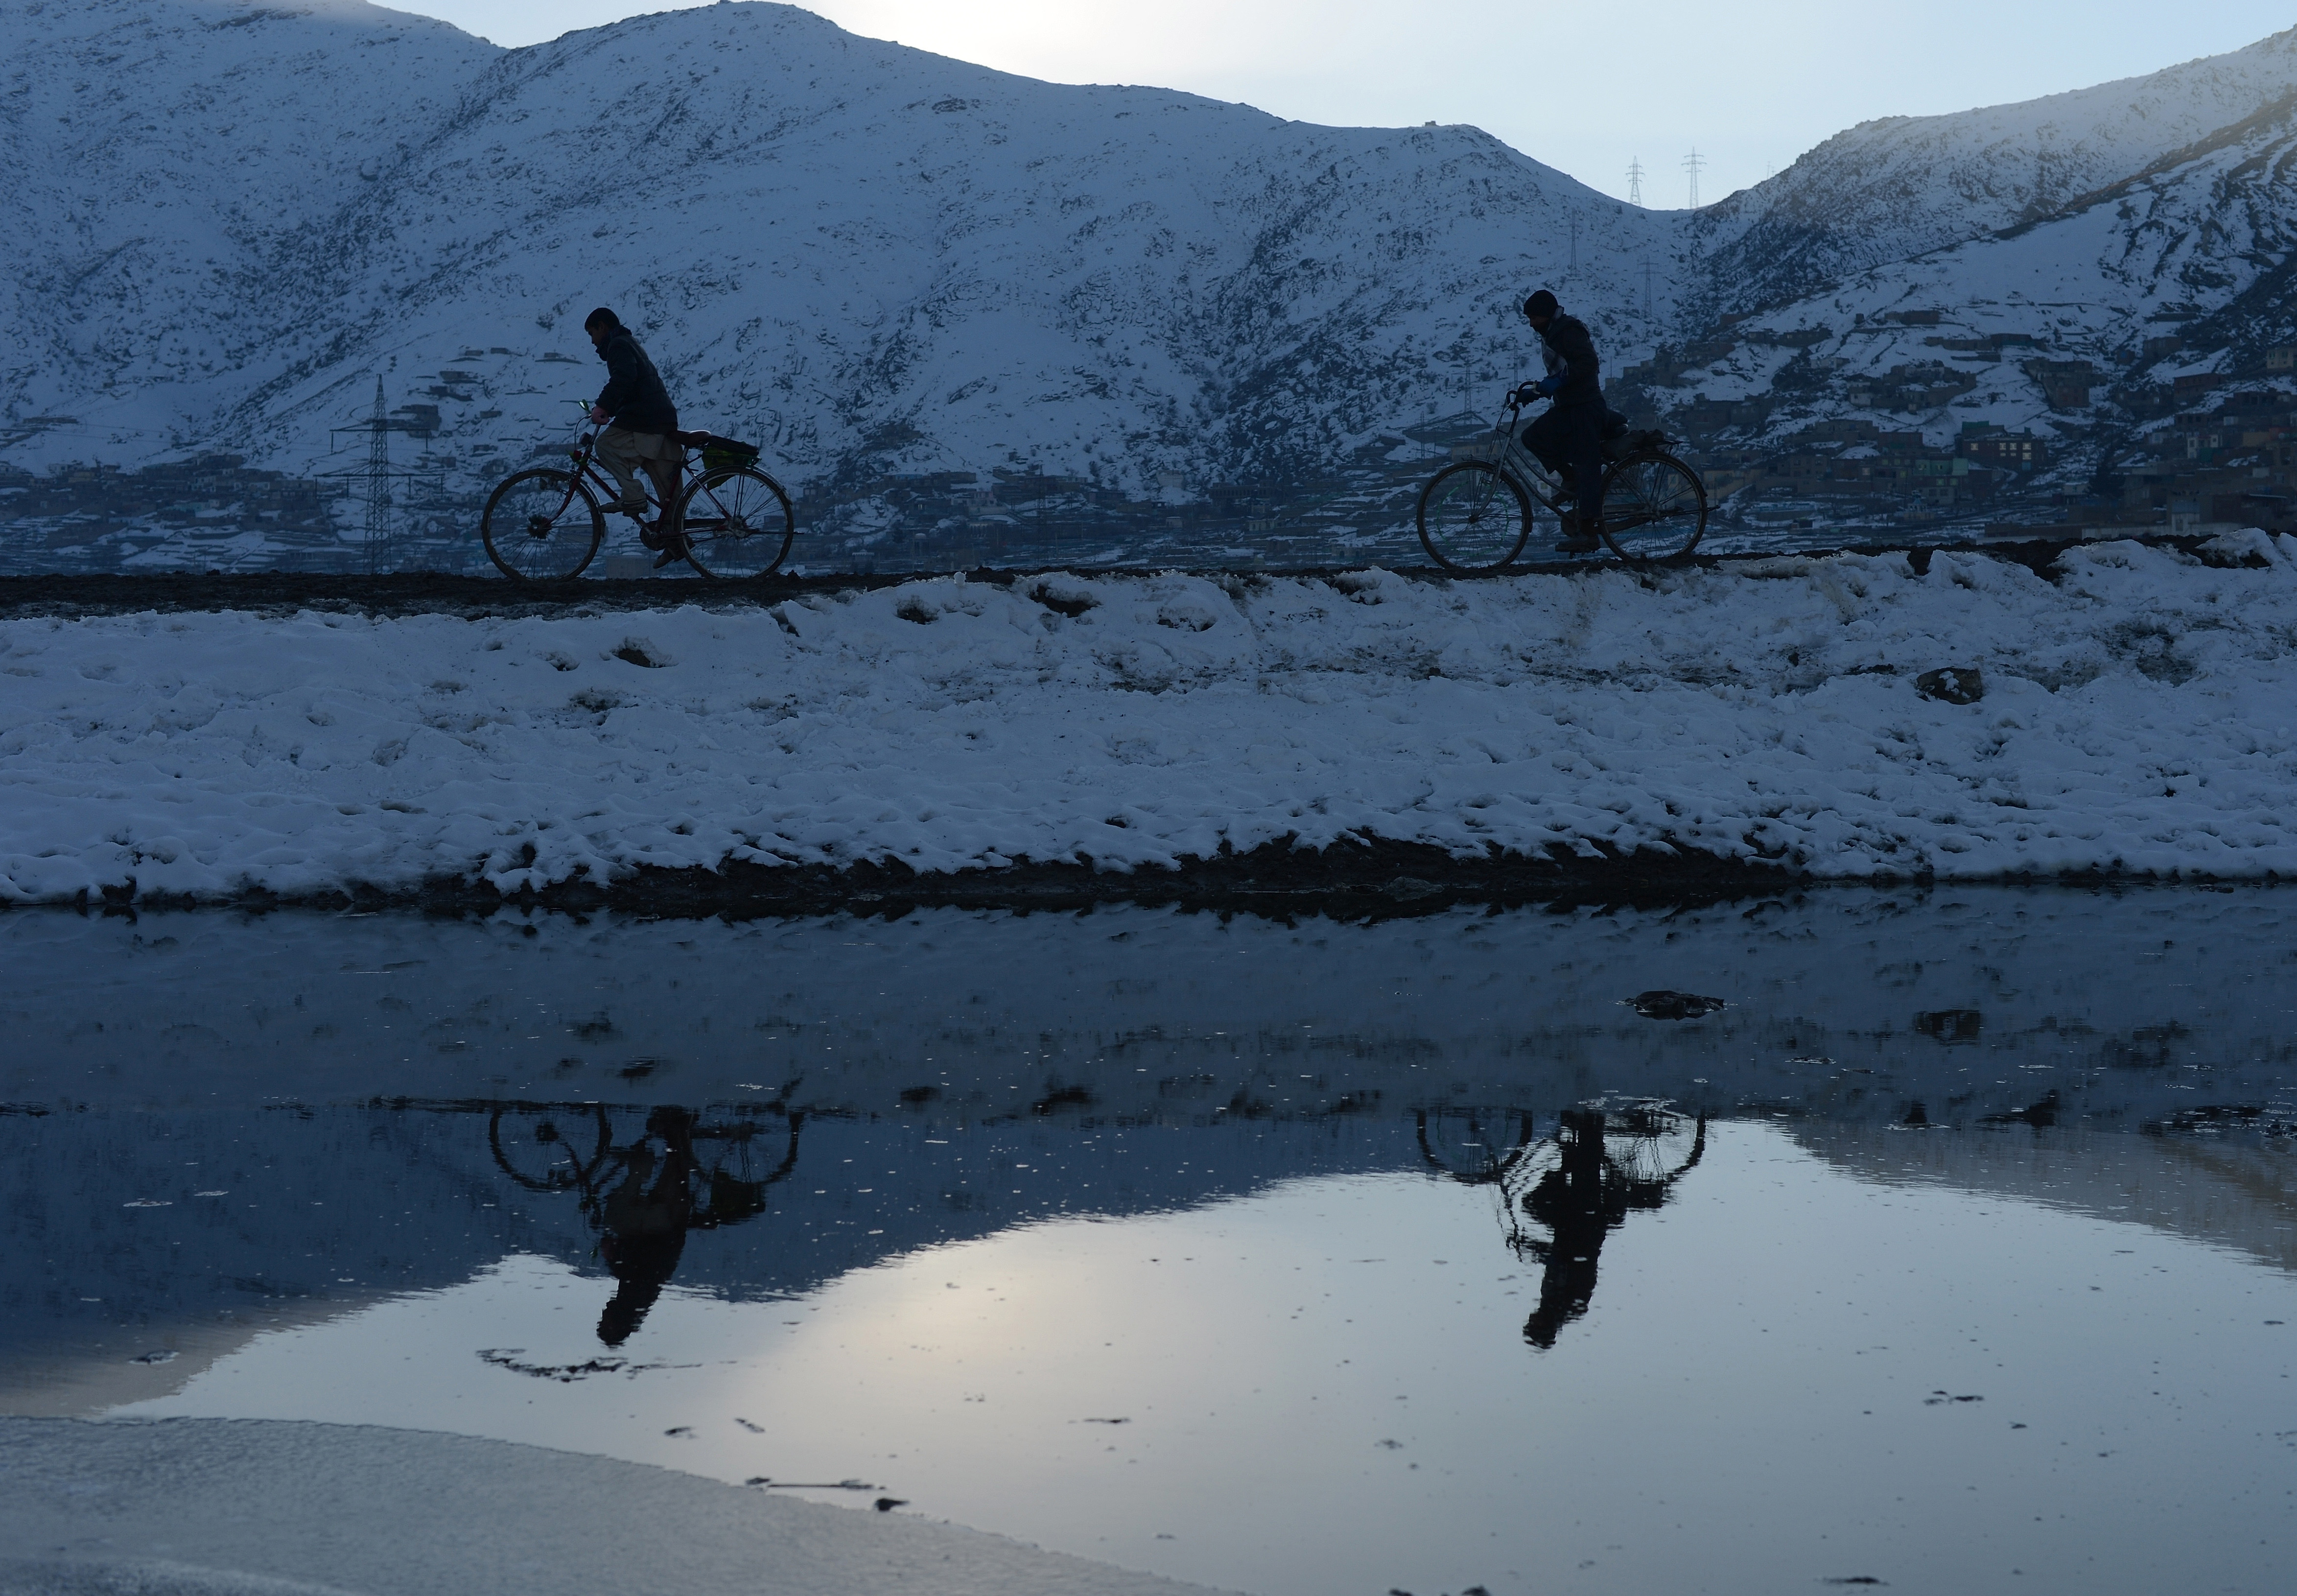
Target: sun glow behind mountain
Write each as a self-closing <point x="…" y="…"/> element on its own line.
<point x="1574" y="85"/>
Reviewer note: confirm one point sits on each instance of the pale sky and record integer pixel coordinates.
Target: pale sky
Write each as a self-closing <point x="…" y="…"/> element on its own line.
<point x="1586" y="89"/>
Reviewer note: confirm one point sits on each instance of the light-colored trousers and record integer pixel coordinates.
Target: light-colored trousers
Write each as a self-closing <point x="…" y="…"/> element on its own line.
<point x="621" y="452"/>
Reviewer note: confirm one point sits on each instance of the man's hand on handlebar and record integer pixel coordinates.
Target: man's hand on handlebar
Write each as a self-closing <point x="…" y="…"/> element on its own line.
<point x="598" y="415"/>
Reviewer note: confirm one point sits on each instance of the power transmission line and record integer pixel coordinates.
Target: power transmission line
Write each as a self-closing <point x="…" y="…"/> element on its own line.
<point x="1694" y="163"/>
<point x="1635" y="181"/>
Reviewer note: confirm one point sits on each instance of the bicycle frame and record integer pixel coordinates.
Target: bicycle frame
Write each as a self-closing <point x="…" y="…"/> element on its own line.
<point x="587" y="472"/>
<point x="1530" y="473"/>
<point x="1547" y="487"/>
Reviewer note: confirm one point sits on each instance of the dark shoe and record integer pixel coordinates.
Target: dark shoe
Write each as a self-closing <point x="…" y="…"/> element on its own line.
<point x="1575" y="541"/>
<point x="672" y="551"/>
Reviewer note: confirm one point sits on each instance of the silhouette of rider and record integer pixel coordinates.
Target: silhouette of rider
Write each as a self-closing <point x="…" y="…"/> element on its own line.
<point x="1568" y="439"/>
<point x="644" y="1222"/>
<point x="641" y="428"/>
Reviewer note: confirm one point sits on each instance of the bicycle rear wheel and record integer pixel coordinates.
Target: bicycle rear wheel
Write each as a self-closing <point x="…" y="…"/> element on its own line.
<point x="1654" y="508"/>
<point x="737" y="522"/>
<point x="541" y="526"/>
<point x="1473" y="517"/>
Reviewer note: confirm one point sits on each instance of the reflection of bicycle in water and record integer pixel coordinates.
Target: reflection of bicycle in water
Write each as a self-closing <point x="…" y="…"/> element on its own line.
<point x="1561" y="1193"/>
<point x="644" y="1195"/>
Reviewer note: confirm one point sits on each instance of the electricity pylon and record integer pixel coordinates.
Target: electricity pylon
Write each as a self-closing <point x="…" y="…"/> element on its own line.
<point x="1694" y="163"/>
<point x="1635" y="181"/>
<point x="371" y="482"/>
<point x="378" y="483"/>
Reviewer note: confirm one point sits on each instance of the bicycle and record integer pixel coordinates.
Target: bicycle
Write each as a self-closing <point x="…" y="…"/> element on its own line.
<point x="545" y="524"/>
<point x="1475" y="514"/>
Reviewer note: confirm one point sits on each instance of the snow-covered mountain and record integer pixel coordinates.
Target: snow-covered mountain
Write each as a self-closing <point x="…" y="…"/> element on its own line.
<point x="232" y="218"/>
<point x="2182" y="268"/>
<point x="1901" y="187"/>
<point x="875" y="257"/>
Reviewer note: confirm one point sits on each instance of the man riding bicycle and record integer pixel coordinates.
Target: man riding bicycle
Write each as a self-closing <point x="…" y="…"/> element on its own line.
<point x="1568" y="440"/>
<point x="640" y="425"/>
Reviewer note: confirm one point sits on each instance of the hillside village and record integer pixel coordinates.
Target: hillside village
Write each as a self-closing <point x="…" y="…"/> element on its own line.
<point x="2116" y="450"/>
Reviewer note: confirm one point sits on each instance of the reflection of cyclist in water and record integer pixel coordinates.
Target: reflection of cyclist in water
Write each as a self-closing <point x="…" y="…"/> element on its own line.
<point x="1578" y="1206"/>
<point x="1586" y="1195"/>
<point x="644" y="1197"/>
<point x="1578" y="1183"/>
<point x="642" y="1223"/>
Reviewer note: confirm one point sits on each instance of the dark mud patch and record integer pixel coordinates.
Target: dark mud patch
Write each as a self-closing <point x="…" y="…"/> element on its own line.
<point x="1362" y="881"/>
<point x="1365" y="880"/>
<point x="1663" y="1004"/>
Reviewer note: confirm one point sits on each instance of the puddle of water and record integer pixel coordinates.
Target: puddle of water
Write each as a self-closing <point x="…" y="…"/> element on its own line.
<point x="1415" y="1256"/>
<point x="1786" y="1372"/>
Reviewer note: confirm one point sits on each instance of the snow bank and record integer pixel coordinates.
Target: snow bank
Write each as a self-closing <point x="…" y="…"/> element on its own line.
<point x="220" y="1507"/>
<point x="2137" y="717"/>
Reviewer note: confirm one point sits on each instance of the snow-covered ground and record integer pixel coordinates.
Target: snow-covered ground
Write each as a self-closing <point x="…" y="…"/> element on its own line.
<point x="2137" y="717"/>
<point x="234" y="1507"/>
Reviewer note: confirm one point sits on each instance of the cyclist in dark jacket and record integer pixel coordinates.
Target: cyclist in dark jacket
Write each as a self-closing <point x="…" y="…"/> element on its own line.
<point x="1568" y="439"/>
<point x="640" y="426"/>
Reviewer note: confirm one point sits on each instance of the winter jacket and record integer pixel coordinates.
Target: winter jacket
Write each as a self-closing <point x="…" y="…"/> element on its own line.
<point x="1571" y="354"/>
<point x="634" y="396"/>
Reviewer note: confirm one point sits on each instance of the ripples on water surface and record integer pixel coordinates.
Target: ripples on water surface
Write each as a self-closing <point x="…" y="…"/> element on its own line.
<point x="1955" y="1251"/>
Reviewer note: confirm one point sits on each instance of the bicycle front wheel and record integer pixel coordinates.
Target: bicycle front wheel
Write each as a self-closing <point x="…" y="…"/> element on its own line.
<point x="1473" y="517"/>
<point x="737" y="522"/>
<point x="1654" y="508"/>
<point x="548" y="1146"/>
<point x="541" y="526"/>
